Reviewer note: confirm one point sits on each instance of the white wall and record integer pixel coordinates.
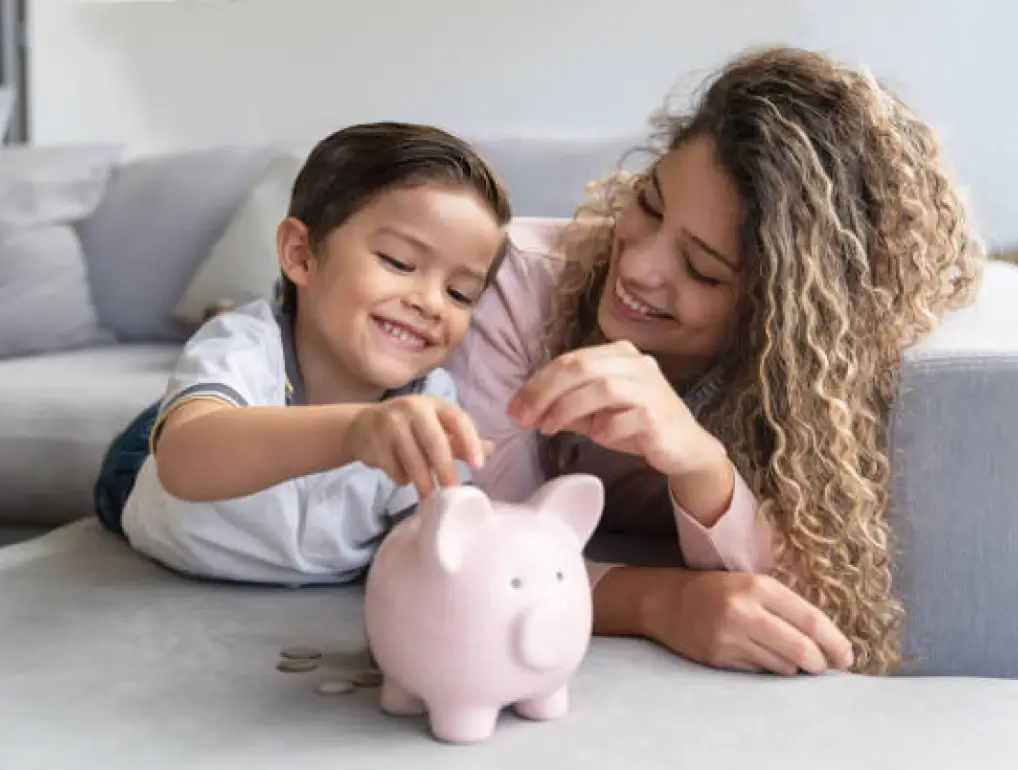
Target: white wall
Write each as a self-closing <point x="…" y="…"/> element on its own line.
<point x="165" y="76"/>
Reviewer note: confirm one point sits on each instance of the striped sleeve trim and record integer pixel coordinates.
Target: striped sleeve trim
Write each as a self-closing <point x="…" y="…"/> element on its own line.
<point x="212" y="391"/>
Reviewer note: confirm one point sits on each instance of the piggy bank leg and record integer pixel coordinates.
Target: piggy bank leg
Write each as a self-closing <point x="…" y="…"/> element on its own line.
<point x="462" y="724"/>
<point x="551" y="706"/>
<point x="398" y="701"/>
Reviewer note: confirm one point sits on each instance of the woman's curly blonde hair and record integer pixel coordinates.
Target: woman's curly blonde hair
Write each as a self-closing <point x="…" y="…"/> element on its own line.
<point x="854" y="243"/>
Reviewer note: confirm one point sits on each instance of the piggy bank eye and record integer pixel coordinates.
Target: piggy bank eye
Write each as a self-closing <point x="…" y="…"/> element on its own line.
<point x="559" y="576"/>
<point x="516" y="583"/>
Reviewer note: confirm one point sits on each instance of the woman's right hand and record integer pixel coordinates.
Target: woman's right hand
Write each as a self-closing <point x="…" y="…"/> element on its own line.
<point x="738" y="620"/>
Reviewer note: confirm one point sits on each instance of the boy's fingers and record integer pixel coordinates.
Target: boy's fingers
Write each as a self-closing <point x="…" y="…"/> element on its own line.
<point x="408" y="455"/>
<point x="463" y="434"/>
<point x="434" y="445"/>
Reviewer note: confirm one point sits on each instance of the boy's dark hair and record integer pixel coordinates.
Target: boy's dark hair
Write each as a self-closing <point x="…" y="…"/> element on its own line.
<point x="349" y="168"/>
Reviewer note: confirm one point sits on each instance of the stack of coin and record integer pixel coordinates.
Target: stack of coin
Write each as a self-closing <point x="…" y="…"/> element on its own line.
<point x="298" y="659"/>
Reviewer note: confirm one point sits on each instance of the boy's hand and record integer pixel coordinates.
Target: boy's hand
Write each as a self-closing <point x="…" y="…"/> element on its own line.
<point x="413" y="438"/>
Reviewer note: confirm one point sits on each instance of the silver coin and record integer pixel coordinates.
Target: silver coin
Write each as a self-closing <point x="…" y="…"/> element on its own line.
<point x="296" y="665"/>
<point x="368" y="678"/>
<point x="301" y="652"/>
<point x="335" y="687"/>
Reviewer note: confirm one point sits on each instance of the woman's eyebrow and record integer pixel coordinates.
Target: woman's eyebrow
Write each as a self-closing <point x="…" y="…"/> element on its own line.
<point x="696" y="239"/>
<point x="707" y="248"/>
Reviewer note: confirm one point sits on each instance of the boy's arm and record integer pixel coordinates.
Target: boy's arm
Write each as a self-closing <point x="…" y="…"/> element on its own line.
<point x="209" y="450"/>
<point x="217" y="437"/>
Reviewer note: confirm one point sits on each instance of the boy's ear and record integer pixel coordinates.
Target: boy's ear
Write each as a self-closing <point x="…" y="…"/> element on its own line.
<point x="294" y="250"/>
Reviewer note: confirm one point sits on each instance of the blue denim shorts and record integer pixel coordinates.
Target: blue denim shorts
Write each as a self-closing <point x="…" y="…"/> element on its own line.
<point x="120" y="467"/>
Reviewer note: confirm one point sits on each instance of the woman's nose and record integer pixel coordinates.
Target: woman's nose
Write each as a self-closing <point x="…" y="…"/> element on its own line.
<point x="646" y="261"/>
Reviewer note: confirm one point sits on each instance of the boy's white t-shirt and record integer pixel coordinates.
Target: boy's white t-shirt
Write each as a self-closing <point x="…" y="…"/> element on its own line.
<point x="322" y="528"/>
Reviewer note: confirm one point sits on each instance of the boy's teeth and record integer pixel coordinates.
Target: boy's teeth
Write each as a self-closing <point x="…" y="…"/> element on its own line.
<point x="401" y="334"/>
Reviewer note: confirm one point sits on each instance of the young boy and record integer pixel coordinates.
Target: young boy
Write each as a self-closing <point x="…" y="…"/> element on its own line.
<point x="292" y="434"/>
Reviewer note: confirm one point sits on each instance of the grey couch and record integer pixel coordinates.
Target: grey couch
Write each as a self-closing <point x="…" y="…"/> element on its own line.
<point x="134" y="664"/>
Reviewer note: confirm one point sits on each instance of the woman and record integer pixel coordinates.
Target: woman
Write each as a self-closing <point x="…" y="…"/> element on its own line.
<point x="717" y="338"/>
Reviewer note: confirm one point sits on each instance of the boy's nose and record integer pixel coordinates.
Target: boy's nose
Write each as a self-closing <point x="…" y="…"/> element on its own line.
<point x="428" y="301"/>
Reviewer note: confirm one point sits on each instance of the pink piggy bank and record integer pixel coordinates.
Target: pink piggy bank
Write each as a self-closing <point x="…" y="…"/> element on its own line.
<point x="472" y="605"/>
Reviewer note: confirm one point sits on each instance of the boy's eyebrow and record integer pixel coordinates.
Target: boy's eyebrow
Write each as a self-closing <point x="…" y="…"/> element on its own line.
<point x="423" y="245"/>
<point x="420" y="243"/>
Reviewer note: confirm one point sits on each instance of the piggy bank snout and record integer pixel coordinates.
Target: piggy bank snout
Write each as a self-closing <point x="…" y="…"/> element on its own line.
<point x="552" y="635"/>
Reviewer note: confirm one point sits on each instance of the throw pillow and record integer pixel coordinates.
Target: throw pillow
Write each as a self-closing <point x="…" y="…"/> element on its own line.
<point x="6" y="110"/>
<point x="242" y="265"/>
<point x="45" y="299"/>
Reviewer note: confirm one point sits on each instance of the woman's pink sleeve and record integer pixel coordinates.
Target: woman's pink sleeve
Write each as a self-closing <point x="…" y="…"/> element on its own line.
<point x="490" y="365"/>
<point x="740" y="541"/>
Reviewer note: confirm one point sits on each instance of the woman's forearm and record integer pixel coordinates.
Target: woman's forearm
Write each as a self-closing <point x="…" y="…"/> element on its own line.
<point x="704" y="490"/>
<point x="628" y="599"/>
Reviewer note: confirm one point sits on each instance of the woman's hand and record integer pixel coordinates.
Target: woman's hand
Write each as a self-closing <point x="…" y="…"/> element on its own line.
<point x="619" y="398"/>
<point x="415" y="439"/>
<point x="746" y="621"/>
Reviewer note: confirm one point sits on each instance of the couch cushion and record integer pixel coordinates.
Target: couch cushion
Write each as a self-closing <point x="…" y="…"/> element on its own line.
<point x="243" y="264"/>
<point x="955" y="511"/>
<point x="142" y="668"/>
<point x="6" y="110"/>
<point x="152" y="230"/>
<point x="45" y="297"/>
<point x="57" y="415"/>
<point x="548" y="177"/>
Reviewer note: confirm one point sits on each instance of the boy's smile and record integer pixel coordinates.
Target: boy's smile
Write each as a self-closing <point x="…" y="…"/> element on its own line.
<point x="403" y="336"/>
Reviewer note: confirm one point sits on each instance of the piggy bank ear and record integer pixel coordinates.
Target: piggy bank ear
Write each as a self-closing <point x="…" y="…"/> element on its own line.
<point x="576" y="498"/>
<point x="449" y="523"/>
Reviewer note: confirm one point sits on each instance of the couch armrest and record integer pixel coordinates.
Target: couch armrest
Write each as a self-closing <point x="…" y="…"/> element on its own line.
<point x="954" y="452"/>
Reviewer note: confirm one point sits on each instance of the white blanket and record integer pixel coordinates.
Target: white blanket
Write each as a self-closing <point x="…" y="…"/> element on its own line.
<point x="107" y="661"/>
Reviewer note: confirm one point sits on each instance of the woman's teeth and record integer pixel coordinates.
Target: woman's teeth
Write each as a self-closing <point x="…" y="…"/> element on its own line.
<point x="633" y="303"/>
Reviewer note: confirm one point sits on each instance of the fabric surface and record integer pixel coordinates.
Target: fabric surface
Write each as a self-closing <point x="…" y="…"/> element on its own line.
<point x="955" y="487"/>
<point x="137" y="667"/>
<point x="154" y="227"/>
<point x="6" y="110"/>
<point x="46" y="303"/>
<point x="58" y="414"/>
<point x="49" y="185"/>
<point x="243" y="265"/>
<point x="120" y="467"/>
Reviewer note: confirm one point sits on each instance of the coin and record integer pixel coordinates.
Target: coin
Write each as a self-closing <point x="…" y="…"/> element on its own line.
<point x="367" y="678"/>
<point x="335" y="687"/>
<point x="296" y="665"/>
<point x="301" y="652"/>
